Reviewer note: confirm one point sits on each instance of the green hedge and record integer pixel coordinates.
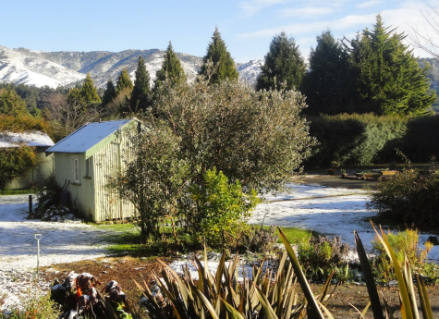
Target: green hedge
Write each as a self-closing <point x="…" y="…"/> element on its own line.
<point x="421" y="140"/>
<point x="355" y="139"/>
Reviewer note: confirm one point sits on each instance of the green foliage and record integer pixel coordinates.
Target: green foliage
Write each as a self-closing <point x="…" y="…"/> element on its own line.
<point x="89" y="92"/>
<point x="270" y="294"/>
<point x="16" y="162"/>
<point x="355" y="139"/>
<point x="328" y="84"/>
<point x="171" y="69"/>
<point x="403" y="273"/>
<point x="140" y="95"/>
<point x="154" y="179"/>
<point x="109" y="94"/>
<point x="11" y="103"/>
<point x="245" y="134"/>
<point x="321" y="255"/>
<point x="22" y="123"/>
<point x="38" y="307"/>
<point x="222" y="208"/>
<point x="284" y="67"/>
<point x="409" y="197"/>
<point x="218" y="58"/>
<point x="389" y="80"/>
<point x="420" y="142"/>
<point x="124" y="82"/>
<point x="404" y="244"/>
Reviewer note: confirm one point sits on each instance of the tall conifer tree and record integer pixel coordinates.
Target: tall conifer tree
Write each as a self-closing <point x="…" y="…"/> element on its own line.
<point x="109" y="93"/>
<point x="140" y="94"/>
<point x="390" y="80"/>
<point x="223" y="64"/>
<point x="283" y="65"/>
<point x="123" y="82"/>
<point x="89" y="93"/>
<point x="171" y="69"/>
<point x="329" y="84"/>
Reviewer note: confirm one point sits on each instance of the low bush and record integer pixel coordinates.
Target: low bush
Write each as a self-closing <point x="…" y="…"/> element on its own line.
<point x="409" y="197"/>
<point x="320" y="256"/>
<point x="404" y="243"/>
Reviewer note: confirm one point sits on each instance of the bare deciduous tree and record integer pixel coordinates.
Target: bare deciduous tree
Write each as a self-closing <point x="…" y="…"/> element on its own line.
<point x="427" y="37"/>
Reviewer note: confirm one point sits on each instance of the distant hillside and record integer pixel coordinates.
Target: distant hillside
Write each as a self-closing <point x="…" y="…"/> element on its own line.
<point x="40" y="68"/>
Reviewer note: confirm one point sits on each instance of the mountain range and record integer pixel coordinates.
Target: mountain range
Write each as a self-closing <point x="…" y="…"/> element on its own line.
<point x="41" y="68"/>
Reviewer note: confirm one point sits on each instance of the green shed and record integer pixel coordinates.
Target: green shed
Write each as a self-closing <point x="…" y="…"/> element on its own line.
<point x="86" y="159"/>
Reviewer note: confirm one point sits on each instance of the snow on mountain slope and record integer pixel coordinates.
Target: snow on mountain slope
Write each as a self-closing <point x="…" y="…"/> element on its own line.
<point x="18" y="68"/>
<point x="249" y="71"/>
<point x="41" y="68"/>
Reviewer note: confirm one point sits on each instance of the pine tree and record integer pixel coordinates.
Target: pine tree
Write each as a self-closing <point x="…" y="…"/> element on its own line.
<point x="110" y="93"/>
<point x="11" y="103"/>
<point x="390" y="80"/>
<point x="123" y="82"/>
<point x="328" y="85"/>
<point x="283" y="65"/>
<point x="140" y="94"/>
<point x="218" y="60"/>
<point x="171" y="69"/>
<point x="89" y="92"/>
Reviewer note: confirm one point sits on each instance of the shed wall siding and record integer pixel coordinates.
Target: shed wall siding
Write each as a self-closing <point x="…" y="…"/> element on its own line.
<point x="82" y="193"/>
<point x="107" y="162"/>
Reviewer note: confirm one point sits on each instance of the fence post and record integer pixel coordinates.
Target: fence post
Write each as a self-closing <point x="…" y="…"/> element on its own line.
<point x="30" y="204"/>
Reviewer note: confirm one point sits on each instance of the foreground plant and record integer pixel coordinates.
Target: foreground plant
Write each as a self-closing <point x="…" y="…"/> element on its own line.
<point x="271" y="293"/>
<point x="403" y="273"/>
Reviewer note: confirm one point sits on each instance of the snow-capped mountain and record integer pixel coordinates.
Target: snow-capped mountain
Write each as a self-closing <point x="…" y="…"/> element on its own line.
<point x="54" y="69"/>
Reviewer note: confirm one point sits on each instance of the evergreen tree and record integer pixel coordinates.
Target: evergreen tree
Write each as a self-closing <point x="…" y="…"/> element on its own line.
<point x="219" y="61"/>
<point x="11" y="103"/>
<point x="390" y="80"/>
<point x="89" y="92"/>
<point x="328" y="85"/>
<point x="109" y="94"/>
<point x="171" y="69"/>
<point x="283" y="65"/>
<point x="123" y="82"/>
<point x="140" y="94"/>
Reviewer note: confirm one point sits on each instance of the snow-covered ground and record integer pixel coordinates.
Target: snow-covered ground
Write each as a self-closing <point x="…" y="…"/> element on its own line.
<point x="61" y="241"/>
<point x="330" y="211"/>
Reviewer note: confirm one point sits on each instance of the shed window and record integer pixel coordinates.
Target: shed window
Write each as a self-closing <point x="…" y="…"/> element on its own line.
<point x="87" y="167"/>
<point x="75" y="170"/>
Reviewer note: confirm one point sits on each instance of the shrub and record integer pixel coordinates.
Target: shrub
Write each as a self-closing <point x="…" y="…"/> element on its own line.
<point x="354" y="139"/>
<point x="404" y="244"/>
<point x="409" y="198"/>
<point x="222" y="208"/>
<point x="321" y="255"/>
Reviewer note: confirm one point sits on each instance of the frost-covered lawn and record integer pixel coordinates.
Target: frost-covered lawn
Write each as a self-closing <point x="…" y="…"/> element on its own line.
<point x="331" y="211"/>
<point x="61" y="242"/>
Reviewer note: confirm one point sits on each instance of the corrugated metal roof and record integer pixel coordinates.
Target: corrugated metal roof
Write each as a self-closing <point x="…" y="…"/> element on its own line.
<point x="87" y="136"/>
<point x="32" y="138"/>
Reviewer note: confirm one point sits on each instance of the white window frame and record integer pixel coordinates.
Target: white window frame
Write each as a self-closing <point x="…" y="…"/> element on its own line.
<point x="76" y="170"/>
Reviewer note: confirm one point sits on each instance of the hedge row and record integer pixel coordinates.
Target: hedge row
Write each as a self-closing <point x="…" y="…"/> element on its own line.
<point x="360" y="139"/>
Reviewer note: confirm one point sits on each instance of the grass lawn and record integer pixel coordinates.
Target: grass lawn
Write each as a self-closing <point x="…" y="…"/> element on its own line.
<point x="125" y="240"/>
<point x="18" y="191"/>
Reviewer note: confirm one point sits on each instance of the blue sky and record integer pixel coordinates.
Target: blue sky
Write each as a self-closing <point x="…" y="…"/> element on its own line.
<point x="247" y="26"/>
